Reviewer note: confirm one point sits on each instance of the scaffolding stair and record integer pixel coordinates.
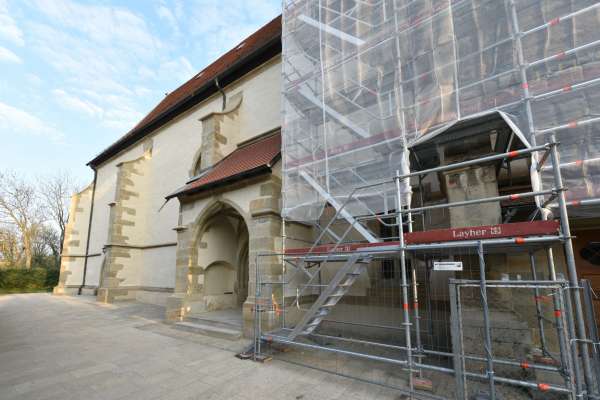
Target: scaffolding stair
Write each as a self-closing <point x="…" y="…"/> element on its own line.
<point x="339" y="285"/>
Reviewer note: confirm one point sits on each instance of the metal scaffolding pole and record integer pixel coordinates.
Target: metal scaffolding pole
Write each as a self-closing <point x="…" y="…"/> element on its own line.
<point x="567" y="364"/>
<point x="257" y="310"/>
<point x="486" y="323"/>
<point x="283" y="272"/>
<point x="416" y="313"/>
<point x="538" y="307"/>
<point x="571" y="268"/>
<point x="406" y="314"/>
<point x="588" y="294"/>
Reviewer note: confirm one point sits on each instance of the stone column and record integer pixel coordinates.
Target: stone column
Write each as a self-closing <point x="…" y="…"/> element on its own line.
<point x="264" y="236"/>
<point x="186" y="256"/>
<point x="212" y="140"/>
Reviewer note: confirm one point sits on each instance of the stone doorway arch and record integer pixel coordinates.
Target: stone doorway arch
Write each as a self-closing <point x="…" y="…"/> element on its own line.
<point x="220" y="274"/>
<point x="257" y="210"/>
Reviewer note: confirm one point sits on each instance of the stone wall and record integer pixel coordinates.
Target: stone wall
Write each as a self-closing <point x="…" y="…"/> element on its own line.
<point x="122" y="258"/>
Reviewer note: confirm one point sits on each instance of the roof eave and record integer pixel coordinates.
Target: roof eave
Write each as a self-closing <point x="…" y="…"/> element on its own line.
<point x="222" y="182"/>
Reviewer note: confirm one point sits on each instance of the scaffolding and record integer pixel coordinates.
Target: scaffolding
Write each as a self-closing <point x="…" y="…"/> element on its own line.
<point x="385" y="99"/>
<point x="558" y="313"/>
<point x="365" y="81"/>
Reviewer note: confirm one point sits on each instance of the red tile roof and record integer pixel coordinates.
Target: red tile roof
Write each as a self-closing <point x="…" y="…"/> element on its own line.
<point x="266" y="40"/>
<point x="247" y="160"/>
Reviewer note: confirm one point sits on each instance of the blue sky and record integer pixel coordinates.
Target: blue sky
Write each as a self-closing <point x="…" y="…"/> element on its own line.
<point x="75" y="75"/>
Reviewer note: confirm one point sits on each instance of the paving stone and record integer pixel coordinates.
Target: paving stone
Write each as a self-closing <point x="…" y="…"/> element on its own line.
<point x="68" y="348"/>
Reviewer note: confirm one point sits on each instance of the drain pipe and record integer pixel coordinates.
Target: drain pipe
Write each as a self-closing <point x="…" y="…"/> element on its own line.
<point x="222" y="93"/>
<point x="87" y="244"/>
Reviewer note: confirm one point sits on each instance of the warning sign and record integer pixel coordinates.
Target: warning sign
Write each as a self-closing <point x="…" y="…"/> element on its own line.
<point x="447" y="266"/>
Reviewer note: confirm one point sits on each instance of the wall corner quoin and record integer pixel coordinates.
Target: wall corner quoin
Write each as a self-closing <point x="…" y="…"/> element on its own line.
<point x="265" y="206"/>
<point x="76" y="233"/>
<point x="175" y="308"/>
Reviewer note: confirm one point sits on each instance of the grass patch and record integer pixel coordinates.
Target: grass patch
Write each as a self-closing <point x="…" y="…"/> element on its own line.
<point x="17" y="291"/>
<point x="32" y="280"/>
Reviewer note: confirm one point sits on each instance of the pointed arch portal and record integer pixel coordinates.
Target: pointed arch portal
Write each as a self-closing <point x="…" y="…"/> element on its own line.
<point x="222" y="256"/>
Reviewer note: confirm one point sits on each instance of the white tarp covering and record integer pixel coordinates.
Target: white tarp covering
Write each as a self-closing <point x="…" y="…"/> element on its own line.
<point x="363" y="79"/>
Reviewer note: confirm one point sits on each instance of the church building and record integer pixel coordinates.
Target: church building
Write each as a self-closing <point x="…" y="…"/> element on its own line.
<point x="181" y="204"/>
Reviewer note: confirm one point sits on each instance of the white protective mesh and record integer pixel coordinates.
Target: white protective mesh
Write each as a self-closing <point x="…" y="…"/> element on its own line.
<point x="364" y="79"/>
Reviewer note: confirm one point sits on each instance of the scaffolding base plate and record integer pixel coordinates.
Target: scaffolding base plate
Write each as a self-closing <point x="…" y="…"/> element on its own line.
<point x="423" y="384"/>
<point x="263" y="358"/>
<point x="244" y="356"/>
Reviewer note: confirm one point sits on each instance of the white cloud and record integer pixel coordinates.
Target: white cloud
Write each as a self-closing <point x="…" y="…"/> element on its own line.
<point x="114" y="111"/>
<point x="8" y="27"/>
<point x="146" y="73"/>
<point x="142" y="91"/>
<point x="105" y="25"/>
<point x="223" y="24"/>
<point x="17" y="121"/>
<point x="33" y="79"/>
<point x="108" y="63"/>
<point x="111" y="55"/>
<point x="8" y="56"/>
<point x="100" y="80"/>
<point x="75" y="103"/>
<point x="166" y="15"/>
<point x="180" y="68"/>
<point x="122" y="119"/>
<point x="178" y="9"/>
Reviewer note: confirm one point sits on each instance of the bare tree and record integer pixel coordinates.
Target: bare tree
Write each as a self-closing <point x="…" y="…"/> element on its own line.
<point x="10" y="246"/>
<point x="20" y="208"/>
<point x="46" y="247"/>
<point x="56" y="192"/>
<point x="52" y="240"/>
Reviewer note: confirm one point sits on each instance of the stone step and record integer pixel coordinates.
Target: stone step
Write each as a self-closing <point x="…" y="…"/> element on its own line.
<point x="220" y="322"/>
<point x="209" y="329"/>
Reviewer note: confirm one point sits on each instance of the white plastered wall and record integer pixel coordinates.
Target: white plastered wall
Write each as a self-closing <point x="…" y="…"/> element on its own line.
<point x="174" y="150"/>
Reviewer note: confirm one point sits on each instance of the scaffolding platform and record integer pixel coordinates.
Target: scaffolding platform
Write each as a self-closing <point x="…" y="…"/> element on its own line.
<point x="518" y="233"/>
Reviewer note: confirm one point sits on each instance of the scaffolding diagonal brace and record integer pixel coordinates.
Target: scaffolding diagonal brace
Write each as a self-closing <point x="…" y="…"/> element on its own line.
<point x="342" y="119"/>
<point x="338" y="207"/>
<point x="331" y="30"/>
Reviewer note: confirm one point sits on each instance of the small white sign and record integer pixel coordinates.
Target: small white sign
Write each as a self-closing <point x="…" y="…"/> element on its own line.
<point x="447" y="266"/>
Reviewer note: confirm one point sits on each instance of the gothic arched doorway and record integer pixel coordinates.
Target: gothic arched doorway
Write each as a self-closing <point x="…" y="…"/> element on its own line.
<point x="222" y="252"/>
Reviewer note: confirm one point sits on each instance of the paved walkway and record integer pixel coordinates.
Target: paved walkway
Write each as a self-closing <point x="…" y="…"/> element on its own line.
<point x="73" y="348"/>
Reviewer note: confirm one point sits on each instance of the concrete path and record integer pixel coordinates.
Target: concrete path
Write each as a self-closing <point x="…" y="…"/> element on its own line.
<point x="74" y="348"/>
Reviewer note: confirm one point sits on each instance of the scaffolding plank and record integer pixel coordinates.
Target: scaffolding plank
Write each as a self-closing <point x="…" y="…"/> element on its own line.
<point x="514" y="229"/>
